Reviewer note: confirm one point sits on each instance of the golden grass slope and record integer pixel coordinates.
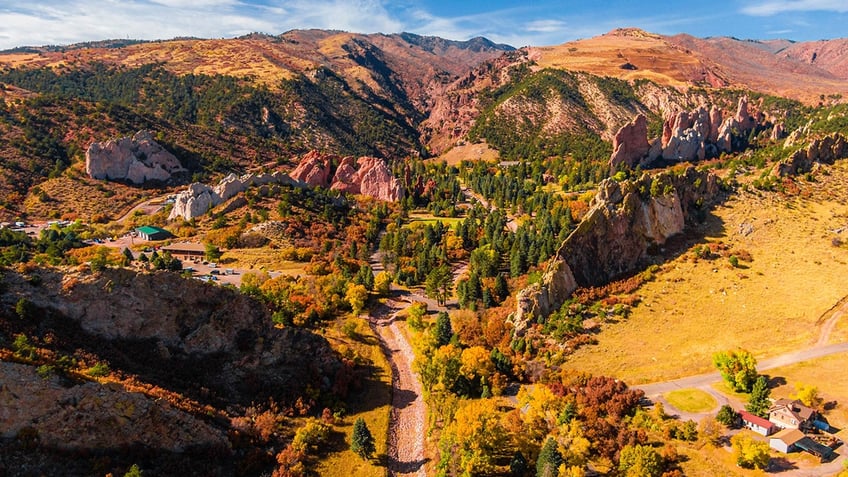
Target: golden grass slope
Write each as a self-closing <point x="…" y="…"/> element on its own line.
<point x="694" y="309"/>
<point x="683" y="61"/>
<point x="654" y="58"/>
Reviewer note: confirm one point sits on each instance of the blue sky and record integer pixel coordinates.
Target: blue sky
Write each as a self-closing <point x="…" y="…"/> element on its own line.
<point x="41" y="22"/>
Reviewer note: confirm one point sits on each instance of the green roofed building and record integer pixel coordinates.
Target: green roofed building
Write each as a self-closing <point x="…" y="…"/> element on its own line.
<point x="153" y="233"/>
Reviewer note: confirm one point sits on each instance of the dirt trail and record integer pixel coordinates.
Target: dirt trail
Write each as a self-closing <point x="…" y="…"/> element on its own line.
<point x="819" y="349"/>
<point x="827" y="324"/>
<point x="408" y="415"/>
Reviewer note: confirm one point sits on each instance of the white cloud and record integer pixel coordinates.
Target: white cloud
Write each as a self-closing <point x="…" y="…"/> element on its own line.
<point x="27" y="23"/>
<point x="773" y="7"/>
<point x="545" y="26"/>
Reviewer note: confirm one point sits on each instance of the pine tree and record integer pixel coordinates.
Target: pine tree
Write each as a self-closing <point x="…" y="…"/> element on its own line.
<point x="443" y="331"/>
<point x="547" y="465"/>
<point x="362" y="442"/>
<point x="759" y="402"/>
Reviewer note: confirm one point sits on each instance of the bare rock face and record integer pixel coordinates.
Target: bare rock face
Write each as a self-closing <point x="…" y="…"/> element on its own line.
<point x="137" y="159"/>
<point x="630" y="143"/>
<point x="624" y="220"/>
<point x="59" y="413"/>
<point x="184" y="334"/>
<point x="373" y="178"/>
<point x="314" y="169"/>
<point x="687" y="136"/>
<point x="198" y="198"/>
<point x="367" y="176"/>
<point x="777" y="132"/>
<point x="821" y="151"/>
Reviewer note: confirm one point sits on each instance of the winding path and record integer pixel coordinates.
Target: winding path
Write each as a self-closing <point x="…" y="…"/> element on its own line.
<point x="406" y="439"/>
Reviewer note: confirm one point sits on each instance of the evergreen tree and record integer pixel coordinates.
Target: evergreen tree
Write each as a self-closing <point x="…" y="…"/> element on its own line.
<point x="518" y="465"/>
<point x="128" y="256"/>
<point x="362" y="442"/>
<point x="759" y="402"/>
<point x="547" y="465"/>
<point x="443" y="331"/>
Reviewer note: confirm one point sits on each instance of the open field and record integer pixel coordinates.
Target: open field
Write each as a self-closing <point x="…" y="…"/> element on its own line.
<point x="468" y="152"/>
<point x="769" y="306"/>
<point x="417" y="219"/>
<point x="265" y="258"/>
<point x="373" y="404"/>
<point x="691" y="400"/>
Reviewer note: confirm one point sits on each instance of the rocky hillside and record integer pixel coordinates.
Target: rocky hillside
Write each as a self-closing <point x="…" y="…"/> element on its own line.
<point x="625" y="221"/>
<point x="181" y="360"/>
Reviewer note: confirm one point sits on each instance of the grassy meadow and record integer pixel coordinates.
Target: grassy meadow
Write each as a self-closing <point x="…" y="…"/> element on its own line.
<point x="769" y="305"/>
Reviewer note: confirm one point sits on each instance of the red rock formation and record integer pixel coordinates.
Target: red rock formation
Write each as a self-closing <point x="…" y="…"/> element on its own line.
<point x="314" y="169"/>
<point x="630" y="143"/>
<point x="367" y="176"/>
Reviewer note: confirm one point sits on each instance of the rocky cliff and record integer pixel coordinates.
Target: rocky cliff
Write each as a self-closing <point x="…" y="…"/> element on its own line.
<point x="137" y="159"/>
<point x="687" y="136"/>
<point x="198" y="198"/>
<point x="625" y="219"/>
<point x="187" y="362"/>
<point x="367" y="175"/>
<point x="181" y="334"/>
<point x="824" y="150"/>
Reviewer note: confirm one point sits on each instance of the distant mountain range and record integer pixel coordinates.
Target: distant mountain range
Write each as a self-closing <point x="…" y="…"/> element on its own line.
<point x="391" y="96"/>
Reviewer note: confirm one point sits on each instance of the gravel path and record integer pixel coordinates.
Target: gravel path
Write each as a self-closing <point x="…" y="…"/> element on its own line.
<point x="407" y="419"/>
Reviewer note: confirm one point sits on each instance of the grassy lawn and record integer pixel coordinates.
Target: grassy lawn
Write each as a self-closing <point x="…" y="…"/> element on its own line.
<point x="691" y="400"/>
<point x="694" y="309"/>
<point x="372" y="403"/>
<point x="418" y="219"/>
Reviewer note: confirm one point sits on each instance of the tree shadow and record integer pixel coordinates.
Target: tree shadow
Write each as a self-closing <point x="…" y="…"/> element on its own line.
<point x="778" y="465"/>
<point x="775" y="381"/>
<point x="405" y="467"/>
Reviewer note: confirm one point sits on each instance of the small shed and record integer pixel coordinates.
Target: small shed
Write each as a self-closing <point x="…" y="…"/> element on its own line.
<point x="153" y="233"/>
<point x="785" y="440"/>
<point x="760" y="425"/>
<point x="810" y="446"/>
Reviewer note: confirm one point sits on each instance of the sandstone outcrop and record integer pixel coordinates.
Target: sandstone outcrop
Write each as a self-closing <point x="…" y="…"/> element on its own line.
<point x="367" y="175"/>
<point x="137" y="159"/>
<point x="198" y="198"/>
<point x="371" y="177"/>
<point x="184" y="335"/>
<point x="314" y="169"/>
<point x="821" y="151"/>
<point x="624" y="220"/>
<point x="687" y="136"/>
<point x="630" y="143"/>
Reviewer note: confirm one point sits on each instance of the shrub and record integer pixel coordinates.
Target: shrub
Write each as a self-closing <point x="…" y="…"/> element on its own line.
<point x="99" y="370"/>
<point x="727" y="416"/>
<point x="24" y="309"/>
